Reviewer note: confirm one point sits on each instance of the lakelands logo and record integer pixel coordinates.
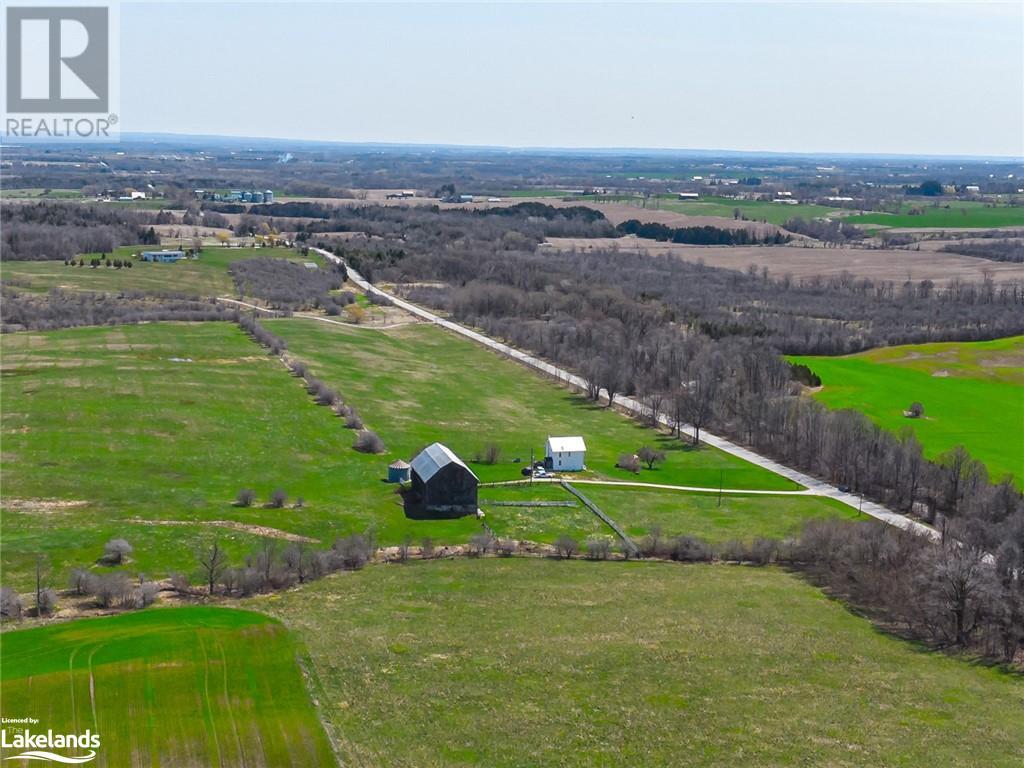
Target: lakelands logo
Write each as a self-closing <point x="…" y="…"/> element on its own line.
<point x="60" y="66"/>
<point x="39" y="746"/>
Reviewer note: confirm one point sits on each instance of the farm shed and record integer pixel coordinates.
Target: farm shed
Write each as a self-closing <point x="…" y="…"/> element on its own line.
<point x="442" y="484"/>
<point x="565" y="454"/>
<point x="398" y="472"/>
<point x="163" y="256"/>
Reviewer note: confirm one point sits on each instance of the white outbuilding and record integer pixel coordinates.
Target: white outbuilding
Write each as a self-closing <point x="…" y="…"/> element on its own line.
<point x="565" y="454"/>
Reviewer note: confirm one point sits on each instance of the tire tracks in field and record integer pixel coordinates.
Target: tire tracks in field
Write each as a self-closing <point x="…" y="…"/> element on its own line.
<point x="71" y="677"/>
<point x="206" y="700"/>
<point x="227" y="703"/>
<point x="92" y="689"/>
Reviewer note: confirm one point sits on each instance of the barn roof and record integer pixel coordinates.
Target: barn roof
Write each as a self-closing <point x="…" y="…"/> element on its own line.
<point x="435" y="457"/>
<point x="566" y="444"/>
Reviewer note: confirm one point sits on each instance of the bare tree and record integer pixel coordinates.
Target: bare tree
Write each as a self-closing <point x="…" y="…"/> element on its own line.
<point x="115" y="551"/>
<point x="479" y="543"/>
<point x="567" y="546"/>
<point x="598" y="548"/>
<point x="492" y="452"/>
<point x="212" y="560"/>
<point x="427" y="548"/>
<point x="650" y="456"/>
<point x="10" y="604"/>
<point x="82" y="581"/>
<point x="629" y="462"/>
<point x="42" y="569"/>
<point x="113" y="589"/>
<point x="46" y="602"/>
<point x="368" y="441"/>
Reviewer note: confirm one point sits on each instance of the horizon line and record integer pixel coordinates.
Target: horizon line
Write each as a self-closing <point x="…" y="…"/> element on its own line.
<point x="682" y="151"/>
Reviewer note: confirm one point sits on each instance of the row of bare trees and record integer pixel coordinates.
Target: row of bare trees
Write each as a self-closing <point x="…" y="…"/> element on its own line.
<point x="366" y="440"/>
<point x="26" y="310"/>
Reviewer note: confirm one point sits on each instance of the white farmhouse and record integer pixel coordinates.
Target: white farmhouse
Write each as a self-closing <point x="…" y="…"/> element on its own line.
<point x="565" y="454"/>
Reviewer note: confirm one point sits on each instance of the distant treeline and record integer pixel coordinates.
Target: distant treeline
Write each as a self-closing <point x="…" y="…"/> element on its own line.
<point x="704" y="235"/>
<point x="826" y="230"/>
<point x="67" y="309"/>
<point x="59" y="231"/>
<point x="542" y="211"/>
<point x="996" y="250"/>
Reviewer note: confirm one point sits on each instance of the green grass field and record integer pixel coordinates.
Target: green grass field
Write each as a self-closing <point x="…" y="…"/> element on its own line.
<point x="41" y="194"/>
<point x="971" y="393"/>
<point x="170" y="687"/>
<point x="951" y="214"/>
<point x="698" y="514"/>
<point x="417" y="384"/>
<point x="755" y="210"/>
<point x="539" y="662"/>
<point x="148" y="432"/>
<point x="205" y="276"/>
<point x="534" y="193"/>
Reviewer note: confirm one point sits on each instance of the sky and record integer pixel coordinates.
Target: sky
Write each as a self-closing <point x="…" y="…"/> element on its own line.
<point x="905" y="78"/>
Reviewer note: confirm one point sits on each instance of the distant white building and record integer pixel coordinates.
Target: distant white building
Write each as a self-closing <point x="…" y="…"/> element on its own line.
<point x="689" y="195"/>
<point x="565" y="454"/>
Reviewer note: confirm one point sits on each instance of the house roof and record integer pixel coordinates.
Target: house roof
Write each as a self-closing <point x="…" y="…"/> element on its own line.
<point x="566" y="444"/>
<point x="398" y="464"/>
<point x="434" y="458"/>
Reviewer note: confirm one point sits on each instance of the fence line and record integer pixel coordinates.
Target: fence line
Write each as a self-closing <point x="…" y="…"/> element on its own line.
<point x="626" y="541"/>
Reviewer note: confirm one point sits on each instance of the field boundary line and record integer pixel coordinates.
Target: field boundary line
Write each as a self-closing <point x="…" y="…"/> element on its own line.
<point x="626" y="541"/>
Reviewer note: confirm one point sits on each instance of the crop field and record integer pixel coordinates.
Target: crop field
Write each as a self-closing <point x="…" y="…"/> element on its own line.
<point x="971" y="393"/>
<point x="205" y="276"/>
<point x="171" y="687"/>
<point x="148" y="432"/>
<point x="756" y="210"/>
<point x="801" y="262"/>
<point x="38" y="193"/>
<point x="542" y="662"/>
<point x="952" y="215"/>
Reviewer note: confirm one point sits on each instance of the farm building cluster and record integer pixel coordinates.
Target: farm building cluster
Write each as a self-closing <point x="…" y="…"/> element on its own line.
<point x="235" y="196"/>
<point x="441" y="485"/>
<point x="163" y="257"/>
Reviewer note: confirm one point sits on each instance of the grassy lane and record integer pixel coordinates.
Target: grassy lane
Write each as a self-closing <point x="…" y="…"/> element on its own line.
<point x="171" y="687"/>
<point x="551" y="663"/>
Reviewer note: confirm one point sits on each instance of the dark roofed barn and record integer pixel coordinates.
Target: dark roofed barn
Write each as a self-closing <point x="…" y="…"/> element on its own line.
<point x="442" y="485"/>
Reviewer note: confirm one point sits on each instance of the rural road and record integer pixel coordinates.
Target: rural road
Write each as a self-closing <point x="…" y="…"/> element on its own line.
<point x="813" y="485"/>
